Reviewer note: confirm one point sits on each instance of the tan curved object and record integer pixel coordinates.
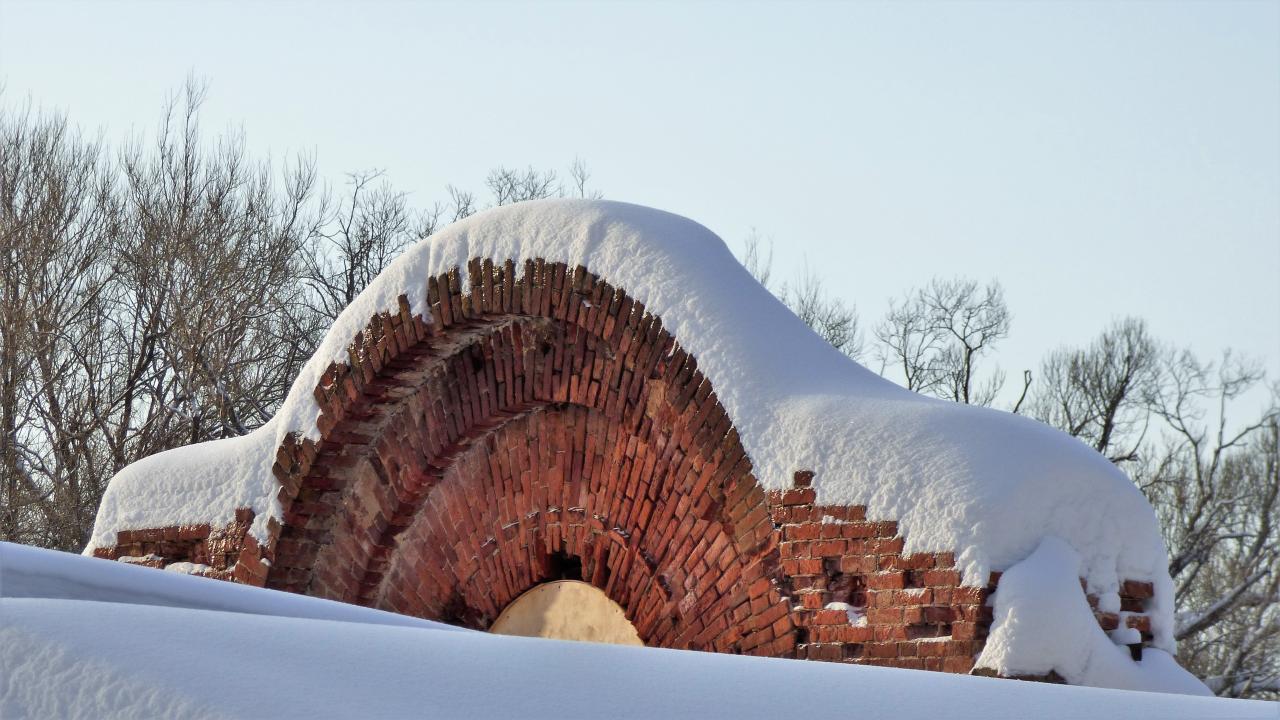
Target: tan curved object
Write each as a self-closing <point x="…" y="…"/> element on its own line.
<point x="567" y="610"/>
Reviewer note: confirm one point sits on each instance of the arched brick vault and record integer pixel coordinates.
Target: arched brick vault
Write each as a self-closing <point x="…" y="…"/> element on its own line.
<point x="544" y="425"/>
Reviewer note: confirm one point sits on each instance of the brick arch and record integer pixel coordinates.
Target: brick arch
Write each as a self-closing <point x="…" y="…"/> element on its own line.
<point x="541" y="425"/>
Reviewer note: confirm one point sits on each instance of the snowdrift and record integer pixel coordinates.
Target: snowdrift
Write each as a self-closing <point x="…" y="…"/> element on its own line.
<point x="87" y="638"/>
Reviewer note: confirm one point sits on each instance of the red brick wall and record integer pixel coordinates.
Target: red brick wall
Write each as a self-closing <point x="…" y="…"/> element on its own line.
<point x="229" y="552"/>
<point x="544" y="426"/>
<point x="912" y="612"/>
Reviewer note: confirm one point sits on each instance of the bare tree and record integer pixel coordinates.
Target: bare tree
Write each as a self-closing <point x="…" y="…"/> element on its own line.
<point x="151" y="300"/>
<point x="580" y="176"/>
<point x="807" y="297"/>
<point x="827" y="314"/>
<point x="513" y="186"/>
<point x="357" y="236"/>
<point x="462" y="202"/>
<point x="1102" y="393"/>
<point x="507" y="186"/>
<point x="757" y="259"/>
<point x="1216" y="487"/>
<point x="936" y="336"/>
<point x="55" y="208"/>
<point x="909" y="343"/>
<point x="168" y="293"/>
<point x="209" y="264"/>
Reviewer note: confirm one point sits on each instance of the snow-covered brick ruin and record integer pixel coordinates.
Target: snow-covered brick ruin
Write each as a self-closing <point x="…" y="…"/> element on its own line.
<point x="595" y="391"/>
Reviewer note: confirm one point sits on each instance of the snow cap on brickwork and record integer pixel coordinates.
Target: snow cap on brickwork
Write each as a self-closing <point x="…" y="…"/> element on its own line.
<point x="982" y="483"/>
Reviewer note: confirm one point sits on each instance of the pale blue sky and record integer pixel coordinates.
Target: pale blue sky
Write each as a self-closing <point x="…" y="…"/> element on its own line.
<point x="1098" y="159"/>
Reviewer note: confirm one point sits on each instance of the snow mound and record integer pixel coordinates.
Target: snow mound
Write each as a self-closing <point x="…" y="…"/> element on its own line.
<point x="983" y="483"/>
<point x="1043" y="623"/>
<point x="27" y="572"/>
<point x="68" y="651"/>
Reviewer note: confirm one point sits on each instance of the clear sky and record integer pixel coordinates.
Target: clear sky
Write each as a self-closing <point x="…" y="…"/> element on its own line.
<point x="1098" y="159"/>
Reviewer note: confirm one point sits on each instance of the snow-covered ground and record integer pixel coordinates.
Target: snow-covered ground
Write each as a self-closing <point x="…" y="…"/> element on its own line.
<point x="86" y="638"/>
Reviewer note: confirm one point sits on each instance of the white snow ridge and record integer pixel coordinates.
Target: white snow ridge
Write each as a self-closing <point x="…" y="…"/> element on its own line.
<point x="88" y="638"/>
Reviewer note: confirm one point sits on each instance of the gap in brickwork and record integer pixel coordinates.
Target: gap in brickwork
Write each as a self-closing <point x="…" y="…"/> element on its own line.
<point x="562" y="566"/>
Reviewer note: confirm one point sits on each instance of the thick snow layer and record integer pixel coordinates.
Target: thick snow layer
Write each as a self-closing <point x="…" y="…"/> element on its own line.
<point x="1043" y="623"/>
<point x="68" y="651"/>
<point x="27" y="572"/>
<point x="984" y="483"/>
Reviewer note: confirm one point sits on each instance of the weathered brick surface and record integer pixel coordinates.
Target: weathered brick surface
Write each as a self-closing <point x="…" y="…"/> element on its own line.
<point x="565" y="492"/>
<point x="221" y="549"/>
<point x="545" y="425"/>
<point x="886" y="607"/>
